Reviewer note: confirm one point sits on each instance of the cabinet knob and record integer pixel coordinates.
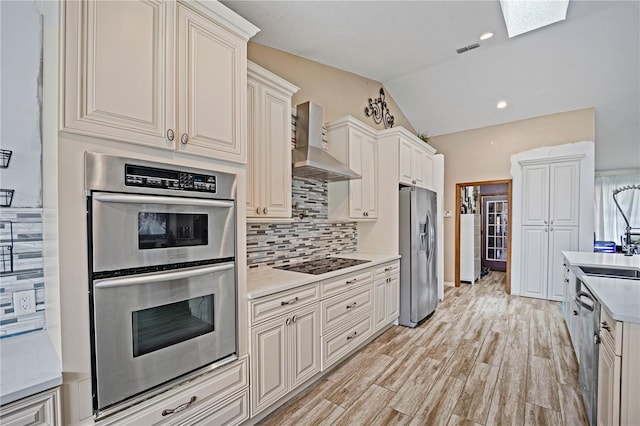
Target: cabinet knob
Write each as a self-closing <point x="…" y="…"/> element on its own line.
<point x="605" y="325"/>
<point x="551" y="223"/>
<point x="596" y="339"/>
<point x="184" y="139"/>
<point x="288" y="321"/>
<point x="258" y="210"/>
<point x="545" y="222"/>
<point x="170" y="135"/>
<point x="264" y="210"/>
<point x="575" y="312"/>
<point x="414" y="181"/>
<point x="293" y="319"/>
<point x="551" y="229"/>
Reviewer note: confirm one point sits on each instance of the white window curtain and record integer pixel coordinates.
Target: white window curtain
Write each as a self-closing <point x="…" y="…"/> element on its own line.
<point x="610" y="224"/>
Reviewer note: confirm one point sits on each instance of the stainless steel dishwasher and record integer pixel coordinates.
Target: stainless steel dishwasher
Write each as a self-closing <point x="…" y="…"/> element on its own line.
<point x="588" y="353"/>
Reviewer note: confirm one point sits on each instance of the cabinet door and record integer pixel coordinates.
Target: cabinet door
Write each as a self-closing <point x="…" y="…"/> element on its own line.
<point x="269" y="363"/>
<point x="405" y="163"/>
<point x="211" y="79"/>
<point x="276" y="153"/>
<point x="608" y="412"/>
<point x="535" y="195"/>
<point x="564" y="193"/>
<point x="380" y="308"/>
<point x="561" y="238"/>
<point x="392" y="297"/>
<point x="535" y="241"/>
<point x="253" y="150"/>
<point x="305" y="345"/>
<point x="117" y="70"/>
<point x="420" y="165"/>
<point x="363" y="159"/>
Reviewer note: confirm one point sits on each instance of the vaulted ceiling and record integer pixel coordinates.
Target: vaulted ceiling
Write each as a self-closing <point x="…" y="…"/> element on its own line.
<point x="589" y="60"/>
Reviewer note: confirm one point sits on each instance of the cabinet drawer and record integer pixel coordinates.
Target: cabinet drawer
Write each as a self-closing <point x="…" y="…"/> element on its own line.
<point x="611" y="332"/>
<point x="208" y="390"/>
<point x="339" y="343"/>
<point x="387" y="269"/>
<point x="345" y="282"/>
<point x="268" y="307"/>
<point x="339" y="309"/>
<point x="232" y="411"/>
<point x="40" y="409"/>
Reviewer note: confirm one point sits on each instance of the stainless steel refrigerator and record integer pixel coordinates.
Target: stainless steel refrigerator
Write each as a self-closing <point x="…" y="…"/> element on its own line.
<point x="418" y="271"/>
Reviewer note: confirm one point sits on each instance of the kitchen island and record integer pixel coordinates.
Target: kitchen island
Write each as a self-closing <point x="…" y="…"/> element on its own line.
<point x="617" y="334"/>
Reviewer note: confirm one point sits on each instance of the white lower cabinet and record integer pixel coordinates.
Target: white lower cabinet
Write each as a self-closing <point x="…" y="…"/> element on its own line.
<point x="341" y="342"/>
<point x="40" y="409"/>
<point x="618" y="372"/>
<point x="285" y="352"/>
<point x="387" y="294"/>
<point x="219" y="397"/>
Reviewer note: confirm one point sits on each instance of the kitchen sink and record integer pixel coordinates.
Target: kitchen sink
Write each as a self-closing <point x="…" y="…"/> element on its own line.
<point x="629" y="274"/>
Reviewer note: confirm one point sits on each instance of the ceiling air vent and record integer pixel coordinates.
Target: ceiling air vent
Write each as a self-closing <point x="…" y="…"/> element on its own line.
<point x="467" y="48"/>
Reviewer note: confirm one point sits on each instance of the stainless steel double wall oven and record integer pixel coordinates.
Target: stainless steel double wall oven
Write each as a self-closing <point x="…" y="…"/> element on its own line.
<point x="162" y="265"/>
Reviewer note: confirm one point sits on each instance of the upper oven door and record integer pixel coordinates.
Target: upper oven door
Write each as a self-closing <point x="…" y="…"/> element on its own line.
<point x="137" y="231"/>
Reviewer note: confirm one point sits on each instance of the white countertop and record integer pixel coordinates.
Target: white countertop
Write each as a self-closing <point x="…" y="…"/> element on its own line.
<point x="619" y="297"/>
<point x="265" y="281"/>
<point x="29" y="365"/>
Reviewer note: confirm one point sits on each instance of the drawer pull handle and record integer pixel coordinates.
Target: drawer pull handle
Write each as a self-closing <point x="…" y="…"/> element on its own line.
<point x="289" y="302"/>
<point x="352" y="335"/>
<point x="351" y="281"/>
<point x="351" y="305"/>
<point x="388" y="269"/>
<point x="605" y="326"/>
<point x="180" y="407"/>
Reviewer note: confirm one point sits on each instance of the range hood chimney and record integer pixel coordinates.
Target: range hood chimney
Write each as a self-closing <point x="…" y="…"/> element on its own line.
<point x="309" y="159"/>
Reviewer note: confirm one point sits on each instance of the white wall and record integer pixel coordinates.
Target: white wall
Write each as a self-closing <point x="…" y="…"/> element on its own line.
<point x="20" y="93"/>
<point x="590" y="60"/>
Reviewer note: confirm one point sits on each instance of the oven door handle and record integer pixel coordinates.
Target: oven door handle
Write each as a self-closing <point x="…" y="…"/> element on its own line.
<point x="154" y="199"/>
<point x="164" y="276"/>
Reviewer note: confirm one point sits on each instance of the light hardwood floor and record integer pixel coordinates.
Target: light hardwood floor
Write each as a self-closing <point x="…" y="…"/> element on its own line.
<point x="484" y="357"/>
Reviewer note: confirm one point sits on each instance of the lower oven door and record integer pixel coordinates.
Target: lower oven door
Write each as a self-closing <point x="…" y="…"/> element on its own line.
<point x="150" y="329"/>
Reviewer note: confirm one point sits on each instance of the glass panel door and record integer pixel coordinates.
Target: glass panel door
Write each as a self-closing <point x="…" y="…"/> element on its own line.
<point x="496" y="228"/>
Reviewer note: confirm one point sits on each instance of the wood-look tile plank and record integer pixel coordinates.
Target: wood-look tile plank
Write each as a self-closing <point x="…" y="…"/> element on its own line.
<point x="539" y="337"/>
<point x="297" y="408"/>
<point x="519" y="334"/>
<point x="540" y="416"/>
<point x="413" y="392"/>
<point x="434" y="332"/>
<point x="366" y="407"/>
<point x="475" y="400"/>
<point x="443" y="348"/>
<point x="388" y="416"/>
<point x="507" y="404"/>
<point x="349" y="367"/>
<point x="493" y="348"/>
<point x="322" y="413"/>
<point x="439" y="403"/>
<point x="478" y="328"/>
<point x="541" y="384"/>
<point x="461" y="421"/>
<point x="515" y="363"/>
<point x="566" y="365"/>
<point x="571" y="406"/>
<point x="402" y="368"/>
<point x="347" y="393"/>
<point x="461" y="362"/>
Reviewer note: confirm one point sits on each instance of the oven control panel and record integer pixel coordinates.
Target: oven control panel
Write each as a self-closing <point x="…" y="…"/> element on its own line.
<point x="150" y="177"/>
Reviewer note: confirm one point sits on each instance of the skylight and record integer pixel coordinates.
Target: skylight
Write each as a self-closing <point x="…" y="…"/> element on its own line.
<point x="522" y="16"/>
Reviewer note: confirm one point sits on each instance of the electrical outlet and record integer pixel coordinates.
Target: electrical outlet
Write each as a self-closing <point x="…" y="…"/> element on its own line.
<point x="24" y="302"/>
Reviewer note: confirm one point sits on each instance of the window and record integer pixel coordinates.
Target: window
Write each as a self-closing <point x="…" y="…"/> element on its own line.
<point x="609" y="224"/>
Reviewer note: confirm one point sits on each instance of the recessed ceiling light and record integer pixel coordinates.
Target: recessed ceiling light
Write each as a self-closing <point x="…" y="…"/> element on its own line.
<point x="486" y="36"/>
<point x="501" y="104"/>
<point x="523" y="16"/>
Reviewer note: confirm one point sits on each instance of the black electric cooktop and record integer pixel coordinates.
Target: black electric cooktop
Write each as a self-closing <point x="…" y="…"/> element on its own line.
<point x="322" y="266"/>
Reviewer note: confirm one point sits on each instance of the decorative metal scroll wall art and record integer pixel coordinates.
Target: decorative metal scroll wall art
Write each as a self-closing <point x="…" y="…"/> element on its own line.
<point x="379" y="110"/>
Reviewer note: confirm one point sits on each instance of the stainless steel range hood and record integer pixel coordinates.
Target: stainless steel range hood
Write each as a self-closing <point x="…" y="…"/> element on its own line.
<point x="309" y="159"/>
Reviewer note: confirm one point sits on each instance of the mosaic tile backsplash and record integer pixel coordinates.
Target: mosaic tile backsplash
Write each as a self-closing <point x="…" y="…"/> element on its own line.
<point x="21" y="269"/>
<point x="311" y="236"/>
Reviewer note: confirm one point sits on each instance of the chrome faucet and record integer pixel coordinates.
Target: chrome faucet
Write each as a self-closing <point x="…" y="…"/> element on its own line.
<point x="630" y="248"/>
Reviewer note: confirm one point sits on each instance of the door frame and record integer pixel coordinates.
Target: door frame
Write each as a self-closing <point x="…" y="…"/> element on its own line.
<point x="509" y="227"/>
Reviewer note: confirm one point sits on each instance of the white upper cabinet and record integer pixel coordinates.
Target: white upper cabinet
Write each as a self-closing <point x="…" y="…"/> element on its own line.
<point x="415" y="157"/>
<point x="268" y="144"/>
<point x="159" y="73"/>
<point x="354" y="143"/>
